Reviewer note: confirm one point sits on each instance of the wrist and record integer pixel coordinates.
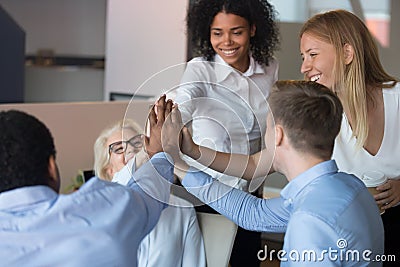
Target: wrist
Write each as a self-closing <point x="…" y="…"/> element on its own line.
<point x="194" y="153"/>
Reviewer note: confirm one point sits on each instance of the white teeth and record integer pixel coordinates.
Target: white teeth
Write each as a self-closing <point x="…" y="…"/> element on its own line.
<point x="228" y="52"/>
<point x="315" y="78"/>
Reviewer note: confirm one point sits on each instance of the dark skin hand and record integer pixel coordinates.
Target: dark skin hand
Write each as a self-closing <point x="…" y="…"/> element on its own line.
<point x="157" y="116"/>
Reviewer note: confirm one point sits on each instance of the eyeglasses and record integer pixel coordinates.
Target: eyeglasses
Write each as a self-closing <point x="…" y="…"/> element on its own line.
<point x="120" y="147"/>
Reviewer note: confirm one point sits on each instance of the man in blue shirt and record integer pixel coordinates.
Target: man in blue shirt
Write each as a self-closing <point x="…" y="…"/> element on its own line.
<point x="101" y="224"/>
<point x="329" y="217"/>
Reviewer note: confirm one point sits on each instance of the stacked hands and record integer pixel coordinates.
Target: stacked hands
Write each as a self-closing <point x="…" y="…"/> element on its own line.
<point x="167" y="132"/>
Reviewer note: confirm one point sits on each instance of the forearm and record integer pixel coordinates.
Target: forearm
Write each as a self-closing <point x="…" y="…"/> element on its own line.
<point x="247" y="211"/>
<point x="155" y="177"/>
<point x="238" y="165"/>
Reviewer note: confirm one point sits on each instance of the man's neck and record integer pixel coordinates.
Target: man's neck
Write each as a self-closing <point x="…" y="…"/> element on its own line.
<point x="296" y="163"/>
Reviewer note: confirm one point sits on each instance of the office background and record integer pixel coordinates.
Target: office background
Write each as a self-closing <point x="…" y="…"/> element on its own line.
<point x="143" y="44"/>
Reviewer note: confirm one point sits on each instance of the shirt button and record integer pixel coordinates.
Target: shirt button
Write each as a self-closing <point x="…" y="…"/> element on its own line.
<point x="288" y="202"/>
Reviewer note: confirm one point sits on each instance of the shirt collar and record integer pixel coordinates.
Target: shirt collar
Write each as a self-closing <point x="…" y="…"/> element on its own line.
<point x="254" y="68"/>
<point x="223" y="69"/>
<point x="290" y="191"/>
<point x="25" y="196"/>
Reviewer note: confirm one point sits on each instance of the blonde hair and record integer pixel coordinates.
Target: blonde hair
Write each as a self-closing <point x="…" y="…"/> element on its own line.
<point x="354" y="81"/>
<point x="101" y="156"/>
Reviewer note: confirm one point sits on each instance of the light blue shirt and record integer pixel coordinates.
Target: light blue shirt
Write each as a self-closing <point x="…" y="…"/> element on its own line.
<point x="329" y="217"/>
<point x="176" y="240"/>
<point x="101" y="224"/>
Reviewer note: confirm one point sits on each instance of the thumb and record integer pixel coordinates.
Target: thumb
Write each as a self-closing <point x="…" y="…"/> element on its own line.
<point x="185" y="131"/>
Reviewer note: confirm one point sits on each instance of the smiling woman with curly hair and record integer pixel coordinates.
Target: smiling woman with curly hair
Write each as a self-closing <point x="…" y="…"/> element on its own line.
<point x="223" y="90"/>
<point x="258" y="14"/>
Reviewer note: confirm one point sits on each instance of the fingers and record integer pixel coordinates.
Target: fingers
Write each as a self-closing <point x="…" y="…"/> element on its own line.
<point x="153" y="116"/>
<point x="168" y="108"/>
<point x="186" y="132"/>
<point x="176" y="115"/>
<point x="384" y="187"/>
<point x="387" y="199"/>
<point x="161" y="109"/>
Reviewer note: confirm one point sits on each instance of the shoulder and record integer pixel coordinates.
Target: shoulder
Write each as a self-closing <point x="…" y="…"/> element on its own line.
<point x="197" y="73"/>
<point x="329" y="195"/>
<point x="198" y="67"/>
<point x="198" y="63"/>
<point x="99" y="190"/>
<point x="393" y="90"/>
<point x="273" y="64"/>
<point x="271" y="70"/>
<point x="97" y="184"/>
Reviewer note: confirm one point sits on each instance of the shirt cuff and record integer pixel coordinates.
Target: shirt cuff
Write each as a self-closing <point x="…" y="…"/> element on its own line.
<point x="196" y="178"/>
<point x="163" y="155"/>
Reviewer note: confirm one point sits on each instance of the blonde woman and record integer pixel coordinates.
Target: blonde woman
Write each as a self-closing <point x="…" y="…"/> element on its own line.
<point x="176" y="240"/>
<point x="339" y="52"/>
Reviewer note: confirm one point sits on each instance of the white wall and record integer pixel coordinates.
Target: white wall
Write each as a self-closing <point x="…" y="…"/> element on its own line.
<point x="143" y="38"/>
<point x="70" y="27"/>
<point x="63" y="84"/>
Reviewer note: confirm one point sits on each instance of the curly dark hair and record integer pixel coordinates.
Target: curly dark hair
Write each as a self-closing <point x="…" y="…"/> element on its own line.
<point x="26" y="145"/>
<point x="257" y="12"/>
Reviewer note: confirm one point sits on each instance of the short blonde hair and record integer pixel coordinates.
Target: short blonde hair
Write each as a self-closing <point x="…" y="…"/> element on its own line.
<point x="101" y="156"/>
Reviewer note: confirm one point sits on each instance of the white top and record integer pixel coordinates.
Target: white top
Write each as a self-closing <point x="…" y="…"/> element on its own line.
<point x="176" y="240"/>
<point x="387" y="160"/>
<point x="228" y="108"/>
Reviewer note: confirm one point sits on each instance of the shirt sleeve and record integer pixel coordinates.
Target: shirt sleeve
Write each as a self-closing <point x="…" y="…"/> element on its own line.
<point x="193" y="250"/>
<point x="249" y="212"/>
<point x="192" y="86"/>
<point x="151" y="185"/>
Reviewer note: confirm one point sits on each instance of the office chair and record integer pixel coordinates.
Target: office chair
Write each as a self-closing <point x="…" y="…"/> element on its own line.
<point x="218" y="235"/>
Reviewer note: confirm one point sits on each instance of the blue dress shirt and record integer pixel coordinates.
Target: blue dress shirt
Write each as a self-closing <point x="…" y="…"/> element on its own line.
<point x="329" y="217"/>
<point x="101" y="224"/>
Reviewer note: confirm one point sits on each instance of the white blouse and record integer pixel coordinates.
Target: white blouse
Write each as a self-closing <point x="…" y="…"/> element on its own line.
<point x="227" y="108"/>
<point x="387" y="160"/>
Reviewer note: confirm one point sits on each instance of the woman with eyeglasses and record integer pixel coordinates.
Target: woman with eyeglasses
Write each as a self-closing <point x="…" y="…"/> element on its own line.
<point x="115" y="146"/>
<point x="176" y="240"/>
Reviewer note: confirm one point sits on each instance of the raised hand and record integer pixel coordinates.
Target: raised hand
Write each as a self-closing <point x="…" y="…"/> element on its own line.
<point x="156" y="120"/>
<point x="188" y="147"/>
<point x="171" y="133"/>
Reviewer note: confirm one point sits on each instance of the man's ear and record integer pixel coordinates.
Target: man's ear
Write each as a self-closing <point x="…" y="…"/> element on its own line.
<point x="348" y="53"/>
<point x="54" y="176"/>
<point x="279" y="133"/>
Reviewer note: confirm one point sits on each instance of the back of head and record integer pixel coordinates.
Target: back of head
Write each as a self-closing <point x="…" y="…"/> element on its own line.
<point x="101" y="150"/>
<point x="310" y="114"/>
<point x="257" y="12"/>
<point x="26" y="145"/>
